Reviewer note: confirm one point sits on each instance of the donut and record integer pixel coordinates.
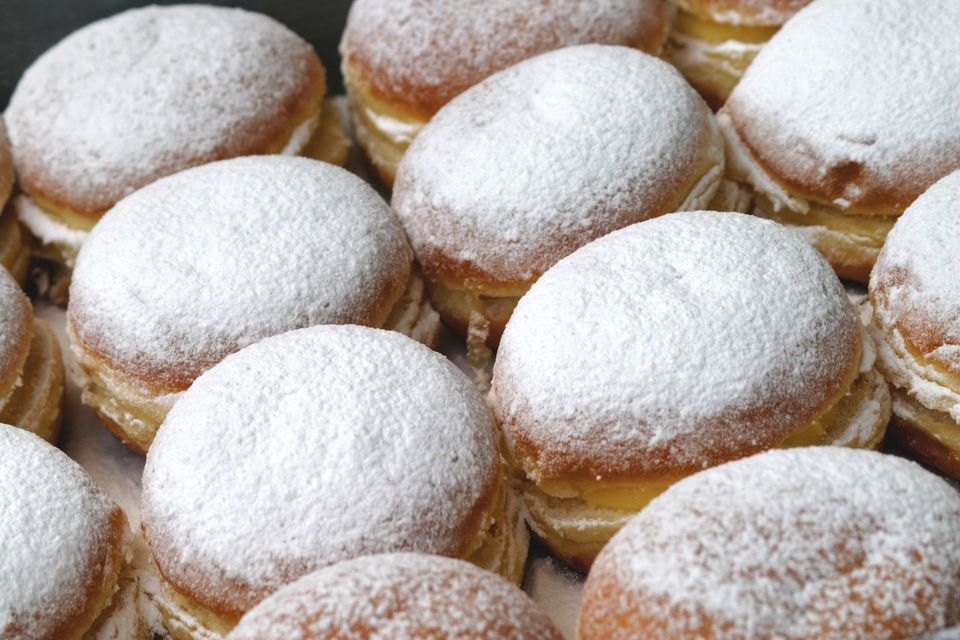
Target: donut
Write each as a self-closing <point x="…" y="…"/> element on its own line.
<point x="202" y="263"/>
<point x="819" y="542"/>
<point x="14" y="252"/>
<point x="152" y="91"/>
<point x="713" y="42"/>
<point x="845" y="118"/>
<point x="405" y="59"/>
<point x="401" y="596"/>
<point x="668" y="347"/>
<point x="539" y="159"/>
<point x="313" y="447"/>
<point x="63" y="566"/>
<point x="916" y="304"/>
<point x="31" y="366"/>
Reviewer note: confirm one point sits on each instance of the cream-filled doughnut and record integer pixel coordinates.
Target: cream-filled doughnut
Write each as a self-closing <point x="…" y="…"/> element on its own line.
<point x="667" y="347"/>
<point x="314" y="447"/>
<point x="821" y="542"/>
<point x="202" y="263"/>
<point x="31" y="365"/>
<point x="149" y="92"/>
<point x="400" y="596"/>
<point x="539" y="159"/>
<point x="404" y="59"/>
<point x="916" y="300"/>
<point x="845" y="117"/>
<point x="63" y="569"/>
<point x="713" y="42"/>
<point x="14" y="250"/>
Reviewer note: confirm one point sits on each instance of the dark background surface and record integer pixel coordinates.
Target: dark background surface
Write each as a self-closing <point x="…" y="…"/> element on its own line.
<point x="29" y="27"/>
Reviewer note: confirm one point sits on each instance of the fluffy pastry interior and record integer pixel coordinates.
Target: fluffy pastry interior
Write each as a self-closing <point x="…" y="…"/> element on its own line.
<point x="576" y="517"/>
<point x="14" y="249"/>
<point x="712" y="55"/>
<point x="36" y="402"/>
<point x="60" y="232"/>
<point x="849" y="241"/>
<point x="383" y="131"/>
<point x="133" y="412"/>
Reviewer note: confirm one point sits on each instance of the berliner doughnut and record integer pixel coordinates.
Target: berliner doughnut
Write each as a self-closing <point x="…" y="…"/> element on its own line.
<point x="820" y="542"/>
<point x="713" y="42"/>
<point x="916" y="322"/>
<point x="845" y="117"/>
<point x="401" y="596"/>
<point x="63" y="569"/>
<point x="31" y="366"/>
<point x="202" y="263"/>
<point x="149" y="92"/>
<point x="541" y="158"/>
<point x="404" y="59"/>
<point x="667" y="347"/>
<point x="14" y="251"/>
<point x="313" y="447"/>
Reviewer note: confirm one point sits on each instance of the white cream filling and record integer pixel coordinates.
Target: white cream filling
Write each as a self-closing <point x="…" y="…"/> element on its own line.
<point x="694" y="52"/>
<point x="703" y="192"/>
<point x="47" y="230"/>
<point x="398" y="132"/>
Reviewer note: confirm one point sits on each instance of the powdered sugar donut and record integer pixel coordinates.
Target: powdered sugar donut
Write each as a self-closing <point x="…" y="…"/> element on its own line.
<point x="667" y="347"/>
<point x="320" y="445"/>
<point x="63" y="566"/>
<point x="538" y="160"/>
<point x="404" y="59"/>
<point x="401" y="596"/>
<point x="714" y="41"/>
<point x="202" y="263"/>
<point x="819" y="542"/>
<point x="845" y="117"/>
<point x="916" y="308"/>
<point x="14" y="253"/>
<point x="31" y="365"/>
<point x="151" y="91"/>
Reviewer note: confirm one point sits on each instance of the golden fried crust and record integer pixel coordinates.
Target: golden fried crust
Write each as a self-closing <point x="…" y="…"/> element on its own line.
<point x="6" y="167"/>
<point x="262" y="134"/>
<point x="768" y="13"/>
<point x="370" y="45"/>
<point x="914" y="429"/>
<point x="826" y="183"/>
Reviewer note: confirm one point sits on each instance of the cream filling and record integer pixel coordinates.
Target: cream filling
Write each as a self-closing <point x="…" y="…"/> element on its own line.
<point x="302" y="135"/>
<point x="731" y="57"/>
<point x="395" y="130"/>
<point x="65" y="239"/>
<point x="925" y="382"/>
<point x="412" y="314"/>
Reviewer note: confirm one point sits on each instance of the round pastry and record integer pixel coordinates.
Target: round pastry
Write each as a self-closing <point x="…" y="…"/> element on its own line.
<point x="31" y="366"/>
<point x="713" y="42"/>
<point x="667" y="347"/>
<point x="404" y="59"/>
<point x="845" y="118"/>
<point x="401" y="596"/>
<point x="152" y="91"/>
<point x="63" y="566"/>
<point x="14" y="251"/>
<point x="202" y="263"/>
<point x="916" y="323"/>
<point x="321" y="445"/>
<point x="541" y="158"/>
<point x="820" y="542"/>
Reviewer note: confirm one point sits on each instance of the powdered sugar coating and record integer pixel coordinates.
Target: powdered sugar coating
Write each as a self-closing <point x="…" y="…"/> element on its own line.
<point x="399" y="596"/>
<point x="672" y="345"/>
<point x="802" y="543"/>
<point x="914" y="284"/>
<point x="6" y="167"/>
<point x="423" y="53"/>
<point x="855" y="104"/>
<point x="205" y="262"/>
<point x="541" y="158"/>
<point x="16" y="323"/>
<point x="152" y="91"/>
<point x="55" y="534"/>
<point x="319" y="445"/>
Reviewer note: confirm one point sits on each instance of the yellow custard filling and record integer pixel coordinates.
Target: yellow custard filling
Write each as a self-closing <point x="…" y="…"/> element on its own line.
<point x="869" y="230"/>
<point x="701" y="28"/>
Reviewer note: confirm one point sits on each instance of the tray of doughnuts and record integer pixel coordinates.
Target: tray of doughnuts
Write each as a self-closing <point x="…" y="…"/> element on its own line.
<point x="577" y="319"/>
